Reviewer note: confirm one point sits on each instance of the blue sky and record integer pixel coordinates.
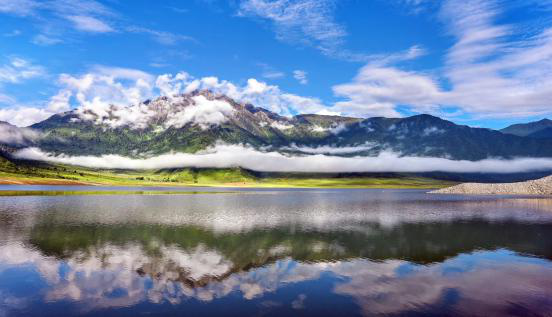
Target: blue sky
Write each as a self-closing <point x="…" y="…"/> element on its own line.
<point x="482" y="63"/>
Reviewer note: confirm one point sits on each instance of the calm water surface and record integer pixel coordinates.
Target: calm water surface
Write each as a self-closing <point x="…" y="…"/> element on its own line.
<point x="275" y="253"/>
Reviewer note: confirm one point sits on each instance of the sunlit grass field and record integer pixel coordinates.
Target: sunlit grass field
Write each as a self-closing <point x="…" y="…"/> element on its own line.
<point x="39" y="173"/>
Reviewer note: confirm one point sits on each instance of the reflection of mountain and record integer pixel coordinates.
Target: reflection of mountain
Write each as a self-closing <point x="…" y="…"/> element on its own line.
<point x="179" y="248"/>
<point x="105" y="276"/>
<point x="384" y="253"/>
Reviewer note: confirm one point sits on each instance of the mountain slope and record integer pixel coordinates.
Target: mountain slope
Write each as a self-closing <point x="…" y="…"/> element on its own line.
<point x="525" y="129"/>
<point x="181" y="125"/>
<point x="195" y="121"/>
<point x="429" y="136"/>
<point x="542" y="134"/>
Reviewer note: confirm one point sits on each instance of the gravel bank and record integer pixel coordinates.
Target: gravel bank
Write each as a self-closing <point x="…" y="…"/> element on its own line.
<point x="541" y="186"/>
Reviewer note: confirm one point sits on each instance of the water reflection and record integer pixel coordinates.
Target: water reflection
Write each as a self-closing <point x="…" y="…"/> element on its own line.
<point x="276" y="253"/>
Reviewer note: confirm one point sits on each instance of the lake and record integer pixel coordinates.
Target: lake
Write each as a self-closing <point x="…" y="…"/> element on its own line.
<point x="266" y="252"/>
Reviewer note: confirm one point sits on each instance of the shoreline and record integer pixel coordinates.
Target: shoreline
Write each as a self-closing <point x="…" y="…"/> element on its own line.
<point x="292" y="183"/>
<point x="539" y="187"/>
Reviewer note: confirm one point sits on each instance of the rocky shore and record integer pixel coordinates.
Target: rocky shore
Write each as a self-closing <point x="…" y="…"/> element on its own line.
<point x="541" y="186"/>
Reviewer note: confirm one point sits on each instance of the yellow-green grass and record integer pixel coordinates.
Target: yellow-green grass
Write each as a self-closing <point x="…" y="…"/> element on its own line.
<point x="103" y="192"/>
<point x="230" y="177"/>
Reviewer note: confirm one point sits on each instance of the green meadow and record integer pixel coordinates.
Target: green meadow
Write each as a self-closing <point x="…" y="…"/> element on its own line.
<point x="25" y="172"/>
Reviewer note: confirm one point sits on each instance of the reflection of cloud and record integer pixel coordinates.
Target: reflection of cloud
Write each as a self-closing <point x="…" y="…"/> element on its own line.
<point x="325" y="210"/>
<point x="299" y="303"/>
<point x="18" y="254"/>
<point x="485" y="282"/>
<point x="487" y="285"/>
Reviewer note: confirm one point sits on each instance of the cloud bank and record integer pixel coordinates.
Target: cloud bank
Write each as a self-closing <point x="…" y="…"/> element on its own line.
<point x="13" y="135"/>
<point x="224" y="156"/>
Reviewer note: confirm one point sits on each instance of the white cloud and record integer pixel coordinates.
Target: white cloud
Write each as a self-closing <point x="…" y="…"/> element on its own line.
<point x="18" y="69"/>
<point x="42" y="39"/>
<point x="15" y="71"/>
<point x="281" y="126"/>
<point x="203" y="112"/>
<point x="224" y="156"/>
<point x="376" y="91"/>
<point x="5" y="99"/>
<point x="327" y="149"/>
<point x="273" y="74"/>
<point x="23" y="116"/>
<point x="269" y="72"/>
<point x="18" y="7"/>
<point x="114" y="95"/>
<point x="492" y="71"/>
<point x="170" y="85"/>
<point x="90" y="24"/>
<point x="165" y="38"/>
<point x="255" y="92"/>
<point x="301" y="76"/>
<point x="86" y="15"/>
<point x="12" y="33"/>
<point x="308" y="22"/>
<point x="10" y="134"/>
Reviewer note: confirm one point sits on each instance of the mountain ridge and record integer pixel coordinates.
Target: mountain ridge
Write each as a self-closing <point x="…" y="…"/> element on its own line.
<point x="193" y="122"/>
<point x="529" y="128"/>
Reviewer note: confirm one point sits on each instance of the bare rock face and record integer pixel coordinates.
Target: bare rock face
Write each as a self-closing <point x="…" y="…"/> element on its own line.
<point x="541" y="186"/>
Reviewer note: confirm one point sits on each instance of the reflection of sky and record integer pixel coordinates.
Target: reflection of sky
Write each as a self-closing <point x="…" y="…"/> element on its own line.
<point x="320" y="210"/>
<point x="154" y="273"/>
<point x="107" y="277"/>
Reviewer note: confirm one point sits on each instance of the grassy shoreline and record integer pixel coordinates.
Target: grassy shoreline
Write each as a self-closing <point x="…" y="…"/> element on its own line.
<point x="38" y="173"/>
<point x="357" y="182"/>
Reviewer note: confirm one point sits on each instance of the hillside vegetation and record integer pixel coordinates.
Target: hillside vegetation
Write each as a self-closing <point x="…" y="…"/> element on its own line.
<point x="26" y="172"/>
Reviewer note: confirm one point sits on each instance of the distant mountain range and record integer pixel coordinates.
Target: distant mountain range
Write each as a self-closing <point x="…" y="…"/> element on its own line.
<point x="540" y="129"/>
<point x="195" y="121"/>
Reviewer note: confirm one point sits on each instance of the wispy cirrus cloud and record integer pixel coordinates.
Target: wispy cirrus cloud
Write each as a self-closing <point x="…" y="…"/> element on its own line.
<point x="165" y="38"/>
<point x="52" y="17"/>
<point x="85" y="16"/>
<point x="307" y="22"/>
<point x="90" y="24"/>
<point x="45" y="40"/>
<point x="492" y="70"/>
<point x="299" y="21"/>
<point x="15" y="71"/>
<point x="270" y="72"/>
<point x="300" y="76"/>
<point x="18" y="69"/>
<point x="304" y="22"/>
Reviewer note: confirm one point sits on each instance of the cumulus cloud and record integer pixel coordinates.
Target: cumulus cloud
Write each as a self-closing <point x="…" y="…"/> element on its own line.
<point x="115" y="95"/>
<point x="377" y="90"/>
<point x="24" y="116"/>
<point x="203" y="112"/>
<point x="255" y="92"/>
<point x="224" y="156"/>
